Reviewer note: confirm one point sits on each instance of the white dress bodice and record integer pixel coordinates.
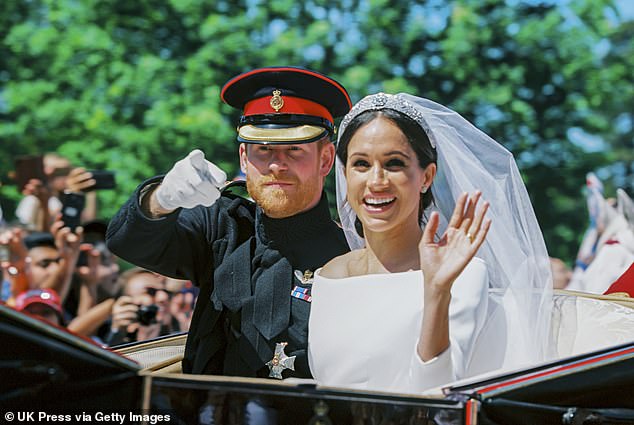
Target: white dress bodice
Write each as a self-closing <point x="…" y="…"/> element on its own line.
<point x="363" y="330"/>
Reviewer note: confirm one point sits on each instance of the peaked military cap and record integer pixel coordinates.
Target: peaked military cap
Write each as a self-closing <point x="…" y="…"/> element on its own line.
<point x="285" y="105"/>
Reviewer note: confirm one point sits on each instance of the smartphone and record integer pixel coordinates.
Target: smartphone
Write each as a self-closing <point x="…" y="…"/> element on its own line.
<point x="29" y="167"/>
<point x="72" y="206"/>
<point x="104" y="179"/>
<point x="5" y="254"/>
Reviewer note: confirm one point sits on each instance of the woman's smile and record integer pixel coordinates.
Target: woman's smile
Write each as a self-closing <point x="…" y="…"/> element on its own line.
<point x="378" y="204"/>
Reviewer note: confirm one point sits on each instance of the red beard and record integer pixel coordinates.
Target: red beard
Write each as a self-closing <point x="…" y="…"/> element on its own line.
<point x="280" y="202"/>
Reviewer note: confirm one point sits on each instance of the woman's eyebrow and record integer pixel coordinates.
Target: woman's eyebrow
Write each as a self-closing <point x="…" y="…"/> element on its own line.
<point x="358" y="154"/>
<point x="397" y="153"/>
<point x="390" y="153"/>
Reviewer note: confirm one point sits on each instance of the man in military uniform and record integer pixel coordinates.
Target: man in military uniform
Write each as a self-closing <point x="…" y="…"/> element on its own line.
<point x="252" y="260"/>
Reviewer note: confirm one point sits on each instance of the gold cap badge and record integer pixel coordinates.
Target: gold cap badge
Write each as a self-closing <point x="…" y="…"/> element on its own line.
<point x="276" y="101"/>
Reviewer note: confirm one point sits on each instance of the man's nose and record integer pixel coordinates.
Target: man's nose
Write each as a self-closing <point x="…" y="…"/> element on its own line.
<point x="278" y="162"/>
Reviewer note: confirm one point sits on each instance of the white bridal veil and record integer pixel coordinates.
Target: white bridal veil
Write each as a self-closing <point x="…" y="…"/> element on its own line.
<point x="518" y="323"/>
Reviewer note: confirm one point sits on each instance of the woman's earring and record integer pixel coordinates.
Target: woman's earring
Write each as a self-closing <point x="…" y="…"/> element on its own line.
<point x="424" y="189"/>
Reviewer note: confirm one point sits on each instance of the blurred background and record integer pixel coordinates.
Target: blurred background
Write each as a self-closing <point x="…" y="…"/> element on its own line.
<point x="133" y="86"/>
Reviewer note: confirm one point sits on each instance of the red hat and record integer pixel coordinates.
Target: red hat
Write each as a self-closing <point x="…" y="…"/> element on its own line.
<point x="46" y="297"/>
<point x="285" y="105"/>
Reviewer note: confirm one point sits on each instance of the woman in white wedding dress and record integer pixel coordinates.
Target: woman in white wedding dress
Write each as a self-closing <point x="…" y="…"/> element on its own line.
<point x="412" y="307"/>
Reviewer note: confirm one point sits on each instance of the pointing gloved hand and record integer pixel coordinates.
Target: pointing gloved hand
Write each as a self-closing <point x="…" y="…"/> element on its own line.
<point x="192" y="181"/>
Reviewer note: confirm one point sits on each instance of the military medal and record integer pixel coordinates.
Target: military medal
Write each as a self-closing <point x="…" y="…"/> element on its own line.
<point x="305" y="278"/>
<point x="280" y="361"/>
<point x="301" y="293"/>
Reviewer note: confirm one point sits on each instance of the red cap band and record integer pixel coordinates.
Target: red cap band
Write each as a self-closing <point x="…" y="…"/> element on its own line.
<point x="292" y="105"/>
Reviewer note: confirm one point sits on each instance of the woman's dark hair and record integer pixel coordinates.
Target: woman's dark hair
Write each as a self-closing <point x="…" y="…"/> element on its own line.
<point x="416" y="136"/>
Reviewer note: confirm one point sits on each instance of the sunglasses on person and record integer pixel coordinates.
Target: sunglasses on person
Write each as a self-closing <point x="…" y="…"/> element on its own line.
<point x="60" y="171"/>
<point x="47" y="262"/>
<point x="153" y="291"/>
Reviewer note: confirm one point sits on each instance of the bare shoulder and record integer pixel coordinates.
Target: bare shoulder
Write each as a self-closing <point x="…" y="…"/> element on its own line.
<point x="342" y="266"/>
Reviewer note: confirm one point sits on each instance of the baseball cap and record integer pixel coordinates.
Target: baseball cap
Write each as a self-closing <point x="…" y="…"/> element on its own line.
<point x="47" y="297"/>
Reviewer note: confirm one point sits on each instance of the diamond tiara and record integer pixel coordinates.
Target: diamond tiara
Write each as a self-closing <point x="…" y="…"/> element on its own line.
<point x="396" y="102"/>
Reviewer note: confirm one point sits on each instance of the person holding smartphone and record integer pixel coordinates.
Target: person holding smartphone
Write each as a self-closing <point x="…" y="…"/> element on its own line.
<point x="80" y="199"/>
<point x="42" y="194"/>
<point x="45" y="190"/>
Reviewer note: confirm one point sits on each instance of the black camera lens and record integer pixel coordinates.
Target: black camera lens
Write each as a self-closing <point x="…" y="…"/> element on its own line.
<point x="146" y="314"/>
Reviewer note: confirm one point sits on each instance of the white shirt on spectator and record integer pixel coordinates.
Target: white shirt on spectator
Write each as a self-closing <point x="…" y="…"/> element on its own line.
<point x="28" y="210"/>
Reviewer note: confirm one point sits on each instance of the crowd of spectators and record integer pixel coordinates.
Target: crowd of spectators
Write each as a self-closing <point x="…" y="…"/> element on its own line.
<point x="605" y="261"/>
<point x="65" y="274"/>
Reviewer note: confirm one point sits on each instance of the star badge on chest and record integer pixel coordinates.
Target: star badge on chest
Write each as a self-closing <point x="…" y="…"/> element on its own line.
<point x="280" y="361"/>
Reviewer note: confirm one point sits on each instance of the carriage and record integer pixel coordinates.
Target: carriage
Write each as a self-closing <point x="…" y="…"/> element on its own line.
<point x="47" y="369"/>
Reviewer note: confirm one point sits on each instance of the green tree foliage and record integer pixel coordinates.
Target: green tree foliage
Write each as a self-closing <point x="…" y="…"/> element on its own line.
<point x="134" y="85"/>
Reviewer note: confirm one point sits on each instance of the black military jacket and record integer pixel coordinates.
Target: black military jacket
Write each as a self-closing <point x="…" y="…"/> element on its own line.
<point x="246" y="264"/>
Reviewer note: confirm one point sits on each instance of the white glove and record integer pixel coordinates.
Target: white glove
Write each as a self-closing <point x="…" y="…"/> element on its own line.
<point x="192" y="181"/>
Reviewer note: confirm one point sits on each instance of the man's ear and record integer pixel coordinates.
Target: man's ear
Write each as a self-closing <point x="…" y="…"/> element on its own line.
<point x="243" y="157"/>
<point x="326" y="158"/>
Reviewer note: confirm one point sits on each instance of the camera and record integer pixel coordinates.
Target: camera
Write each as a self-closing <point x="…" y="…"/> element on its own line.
<point x="146" y="314"/>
